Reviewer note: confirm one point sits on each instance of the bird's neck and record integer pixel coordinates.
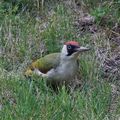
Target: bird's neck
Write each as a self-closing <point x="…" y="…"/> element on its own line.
<point x="66" y="60"/>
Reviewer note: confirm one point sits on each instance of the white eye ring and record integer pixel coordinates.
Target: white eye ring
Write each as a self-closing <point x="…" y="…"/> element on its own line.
<point x="69" y="47"/>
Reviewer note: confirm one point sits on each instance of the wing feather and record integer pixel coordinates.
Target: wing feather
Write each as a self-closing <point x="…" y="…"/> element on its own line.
<point x="45" y="63"/>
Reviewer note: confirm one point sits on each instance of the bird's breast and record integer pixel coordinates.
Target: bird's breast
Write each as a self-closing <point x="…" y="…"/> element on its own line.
<point x="65" y="71"/>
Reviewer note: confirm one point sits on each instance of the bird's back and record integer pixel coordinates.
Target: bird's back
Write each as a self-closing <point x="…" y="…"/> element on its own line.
<point x="44" y="64"/>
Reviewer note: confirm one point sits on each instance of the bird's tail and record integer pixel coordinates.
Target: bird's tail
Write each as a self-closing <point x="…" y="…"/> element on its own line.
<point x="29" y="71"/>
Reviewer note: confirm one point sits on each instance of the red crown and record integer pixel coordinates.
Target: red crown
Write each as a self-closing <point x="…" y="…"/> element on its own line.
<point x="72" y="43"/>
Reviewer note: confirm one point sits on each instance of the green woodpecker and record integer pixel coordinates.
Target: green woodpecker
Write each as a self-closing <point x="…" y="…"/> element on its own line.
<point x="58" y="67"/>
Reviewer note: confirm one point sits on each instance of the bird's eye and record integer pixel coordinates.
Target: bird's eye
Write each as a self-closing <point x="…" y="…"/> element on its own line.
<point x="69" y="47"/>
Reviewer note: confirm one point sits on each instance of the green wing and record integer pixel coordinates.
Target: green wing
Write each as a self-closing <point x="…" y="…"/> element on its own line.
<point x="44" y="64"/>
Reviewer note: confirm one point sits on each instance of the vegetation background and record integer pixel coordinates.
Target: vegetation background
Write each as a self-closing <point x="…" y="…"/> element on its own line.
<point x="30" y="29"/>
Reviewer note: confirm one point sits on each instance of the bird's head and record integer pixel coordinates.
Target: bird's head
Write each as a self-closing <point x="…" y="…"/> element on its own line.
<point x="72" y="49"/>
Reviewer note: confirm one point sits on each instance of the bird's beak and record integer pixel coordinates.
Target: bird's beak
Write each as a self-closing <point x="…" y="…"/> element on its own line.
<point x="82" y="49"/>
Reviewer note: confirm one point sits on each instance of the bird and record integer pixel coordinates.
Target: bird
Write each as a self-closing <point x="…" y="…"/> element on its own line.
<point x="58" y="67"/>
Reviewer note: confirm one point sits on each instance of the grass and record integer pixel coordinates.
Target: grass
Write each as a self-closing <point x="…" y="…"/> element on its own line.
<point x="23" y="38"/>
<point x="106" y="13"/>
<point x="22" y="99"/>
